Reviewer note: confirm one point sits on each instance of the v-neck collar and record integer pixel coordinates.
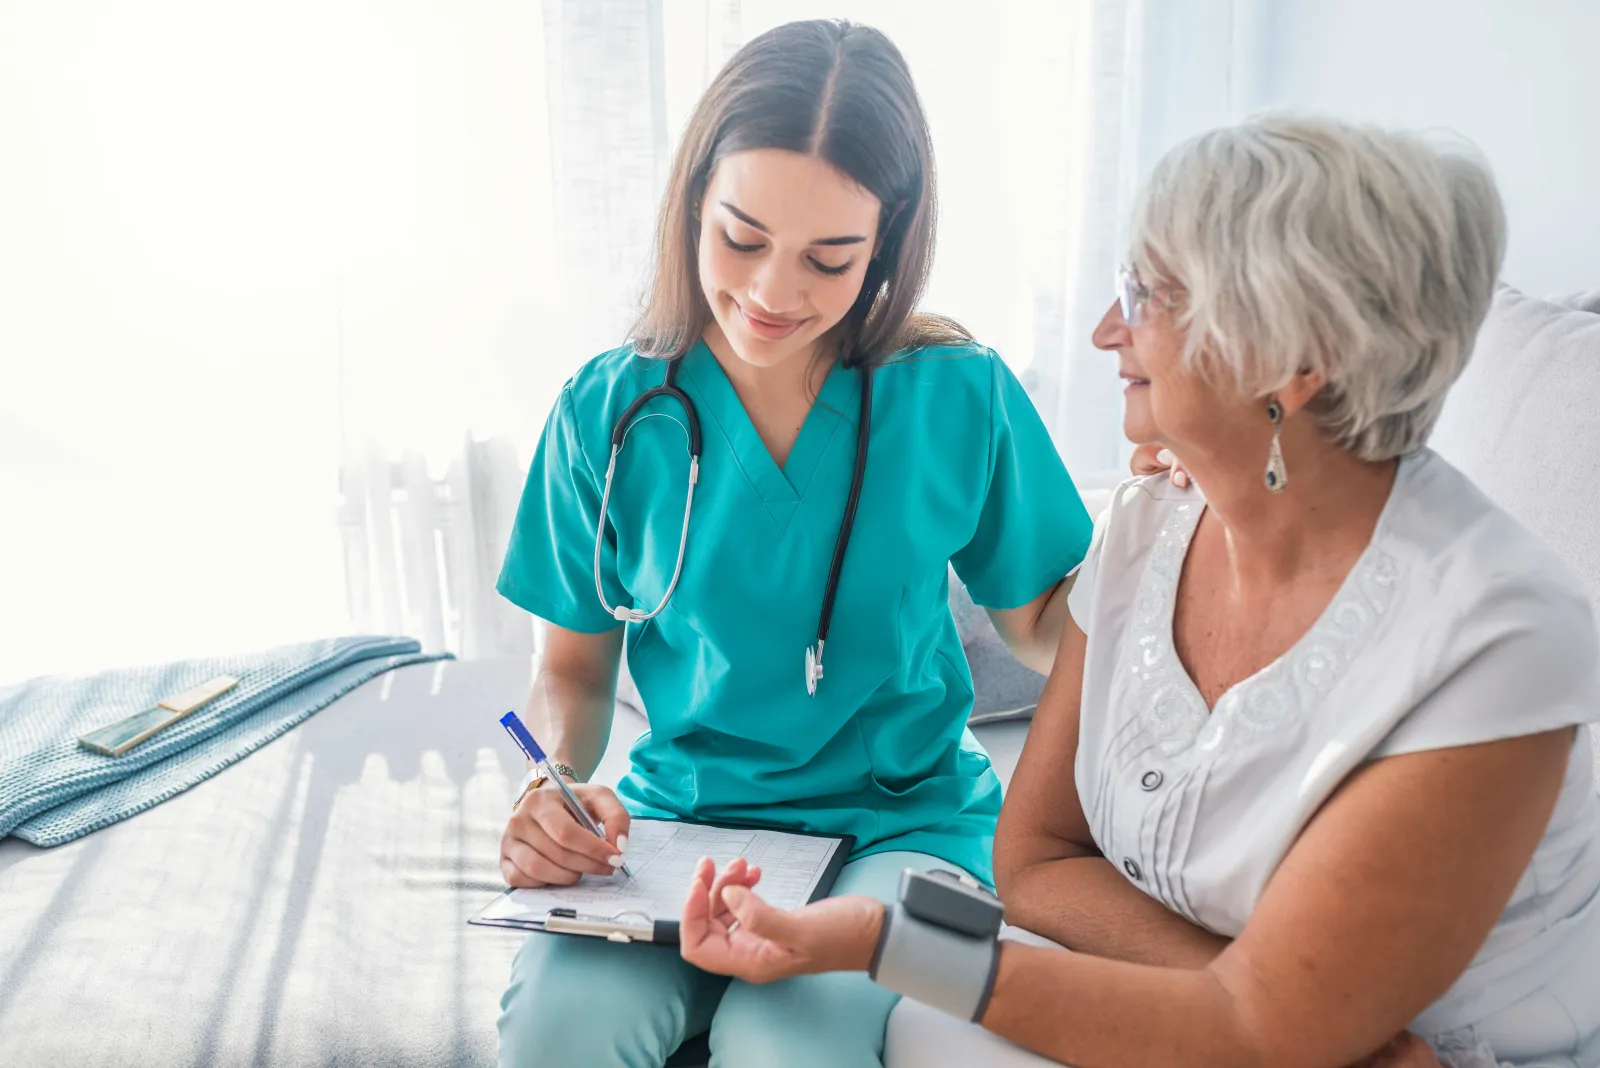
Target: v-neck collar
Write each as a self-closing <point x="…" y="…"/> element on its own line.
<point x="1168" y="700"/>
<point x="781" y="489"/>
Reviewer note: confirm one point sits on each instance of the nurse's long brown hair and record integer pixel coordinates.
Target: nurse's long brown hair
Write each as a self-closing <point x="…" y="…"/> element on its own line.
<point x="840" y="92"/>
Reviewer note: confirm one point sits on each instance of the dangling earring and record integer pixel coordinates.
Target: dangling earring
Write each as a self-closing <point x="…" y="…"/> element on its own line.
<point x="1277" y="476"/>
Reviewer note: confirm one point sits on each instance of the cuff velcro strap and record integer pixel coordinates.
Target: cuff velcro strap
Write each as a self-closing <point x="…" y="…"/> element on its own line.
<point x="952" y="972"/>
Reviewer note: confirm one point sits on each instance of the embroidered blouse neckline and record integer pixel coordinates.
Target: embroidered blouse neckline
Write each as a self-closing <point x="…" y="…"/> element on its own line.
<point x="1290" y="687"/>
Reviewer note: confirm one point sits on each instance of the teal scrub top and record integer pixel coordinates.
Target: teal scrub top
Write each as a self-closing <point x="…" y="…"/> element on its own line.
<point x="960" y="470"/>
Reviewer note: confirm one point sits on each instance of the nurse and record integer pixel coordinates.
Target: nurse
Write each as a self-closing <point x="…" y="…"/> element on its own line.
<point x="795" y="239"/>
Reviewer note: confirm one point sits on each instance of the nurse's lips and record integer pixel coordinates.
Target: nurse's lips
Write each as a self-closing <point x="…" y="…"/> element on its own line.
<point x="773" y="329"/>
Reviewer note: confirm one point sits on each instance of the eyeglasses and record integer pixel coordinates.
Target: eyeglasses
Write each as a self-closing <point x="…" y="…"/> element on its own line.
<point x="1133" y="296"/>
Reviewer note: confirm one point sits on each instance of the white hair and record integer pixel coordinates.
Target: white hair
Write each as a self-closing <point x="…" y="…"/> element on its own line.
<point x="1365" y="254"/>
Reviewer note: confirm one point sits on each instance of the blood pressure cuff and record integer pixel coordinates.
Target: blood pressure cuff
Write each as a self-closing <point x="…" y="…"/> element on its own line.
<point x="938" y="943"/>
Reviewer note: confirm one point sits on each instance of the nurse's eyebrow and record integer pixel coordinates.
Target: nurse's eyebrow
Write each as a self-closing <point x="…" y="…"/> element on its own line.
<point x="854" y="239"/>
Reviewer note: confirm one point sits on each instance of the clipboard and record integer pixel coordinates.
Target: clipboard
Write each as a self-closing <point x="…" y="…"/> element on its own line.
<point x="663" y="875"/>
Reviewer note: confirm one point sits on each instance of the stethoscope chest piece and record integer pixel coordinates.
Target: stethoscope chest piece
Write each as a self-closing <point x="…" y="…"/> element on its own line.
<point x="813" y="667"/>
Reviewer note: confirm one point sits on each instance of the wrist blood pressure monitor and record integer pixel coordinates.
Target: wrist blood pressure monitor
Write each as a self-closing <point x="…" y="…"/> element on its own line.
<point x="938" y="943"/>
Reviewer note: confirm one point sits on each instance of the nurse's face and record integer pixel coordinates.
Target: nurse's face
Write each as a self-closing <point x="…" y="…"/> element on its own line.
<point x="784" y="245"/>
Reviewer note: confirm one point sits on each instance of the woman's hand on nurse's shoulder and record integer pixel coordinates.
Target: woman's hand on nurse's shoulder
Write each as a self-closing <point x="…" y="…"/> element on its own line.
<point x="727" y="930"/>
<point x="1152" y="459"/>
<point x="544" y="846"/>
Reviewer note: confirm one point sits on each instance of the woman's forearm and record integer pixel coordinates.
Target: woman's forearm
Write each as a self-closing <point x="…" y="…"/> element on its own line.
<point x="1090" y="1012"/>
<point x="1095" y="1013"/>
<point x="1085" y="904"/>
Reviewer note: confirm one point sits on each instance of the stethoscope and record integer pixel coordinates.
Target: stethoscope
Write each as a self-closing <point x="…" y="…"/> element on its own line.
<point x="619" y="436"/>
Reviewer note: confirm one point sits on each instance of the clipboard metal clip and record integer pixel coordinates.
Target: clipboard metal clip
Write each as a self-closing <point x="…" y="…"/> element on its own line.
<point x="622" y="927"/>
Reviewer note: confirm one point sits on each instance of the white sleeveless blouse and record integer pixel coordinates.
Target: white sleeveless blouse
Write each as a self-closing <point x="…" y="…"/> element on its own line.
<point x="1455" y="627"/>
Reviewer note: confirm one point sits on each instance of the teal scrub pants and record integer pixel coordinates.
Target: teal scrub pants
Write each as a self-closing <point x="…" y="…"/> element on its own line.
<point x="589" y="1003"/>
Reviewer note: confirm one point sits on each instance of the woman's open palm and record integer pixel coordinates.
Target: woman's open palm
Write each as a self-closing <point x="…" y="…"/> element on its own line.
<point x="728" y="930"/>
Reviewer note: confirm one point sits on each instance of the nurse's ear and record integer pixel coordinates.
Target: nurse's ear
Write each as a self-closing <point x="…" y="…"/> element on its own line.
<point x="697" y="203"/>
<point x="695" y="224"/>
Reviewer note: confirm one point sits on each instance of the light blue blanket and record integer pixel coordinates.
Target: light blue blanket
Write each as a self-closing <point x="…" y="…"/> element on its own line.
<point x="52" y="790"/>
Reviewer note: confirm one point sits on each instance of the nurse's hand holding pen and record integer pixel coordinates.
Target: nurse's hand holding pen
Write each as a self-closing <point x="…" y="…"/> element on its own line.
<point x="570" y="710"/>
<point x="543" y="845"/>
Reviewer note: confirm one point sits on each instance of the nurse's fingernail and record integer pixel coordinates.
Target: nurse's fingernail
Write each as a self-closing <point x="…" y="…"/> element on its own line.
<point x="622" y="845"/>
<point x="1180" y="479"/>
<point x="1164" y="457"/>
<point x="615" y="860"/>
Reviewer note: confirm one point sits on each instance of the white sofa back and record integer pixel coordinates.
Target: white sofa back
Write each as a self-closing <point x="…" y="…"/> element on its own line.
<point x="1524" y="424"/>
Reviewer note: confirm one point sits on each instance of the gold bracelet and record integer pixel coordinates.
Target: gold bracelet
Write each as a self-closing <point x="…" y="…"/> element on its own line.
<point x="559" y="769"/>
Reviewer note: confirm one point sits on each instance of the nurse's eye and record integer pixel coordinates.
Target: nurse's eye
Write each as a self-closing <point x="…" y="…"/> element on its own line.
<point x="829" y="270"/>
<point x="731" y="243"/>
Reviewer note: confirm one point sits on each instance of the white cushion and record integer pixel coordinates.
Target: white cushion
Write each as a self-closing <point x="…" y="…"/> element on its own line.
<point x="1524" y="423"/>
<point x="1588" y="301"/>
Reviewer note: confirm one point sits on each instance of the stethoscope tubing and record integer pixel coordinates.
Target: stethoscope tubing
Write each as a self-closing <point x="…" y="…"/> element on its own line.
<point x="619" y="437"/>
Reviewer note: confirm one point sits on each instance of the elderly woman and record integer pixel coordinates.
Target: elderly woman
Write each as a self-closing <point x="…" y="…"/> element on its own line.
<point x="1310" y="778"/>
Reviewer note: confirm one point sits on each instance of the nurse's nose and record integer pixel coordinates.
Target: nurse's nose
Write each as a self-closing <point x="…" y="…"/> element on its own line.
<point x="777" y="289"/>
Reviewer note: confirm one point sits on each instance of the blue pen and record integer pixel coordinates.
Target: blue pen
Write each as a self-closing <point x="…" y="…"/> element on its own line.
<point x="525" y="742"/>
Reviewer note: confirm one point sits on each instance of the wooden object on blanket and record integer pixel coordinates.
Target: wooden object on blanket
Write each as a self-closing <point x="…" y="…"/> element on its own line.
<point x="119" y="737"/>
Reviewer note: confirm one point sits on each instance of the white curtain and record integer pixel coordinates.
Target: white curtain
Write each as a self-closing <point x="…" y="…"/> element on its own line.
<point x="287" y="290"/>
